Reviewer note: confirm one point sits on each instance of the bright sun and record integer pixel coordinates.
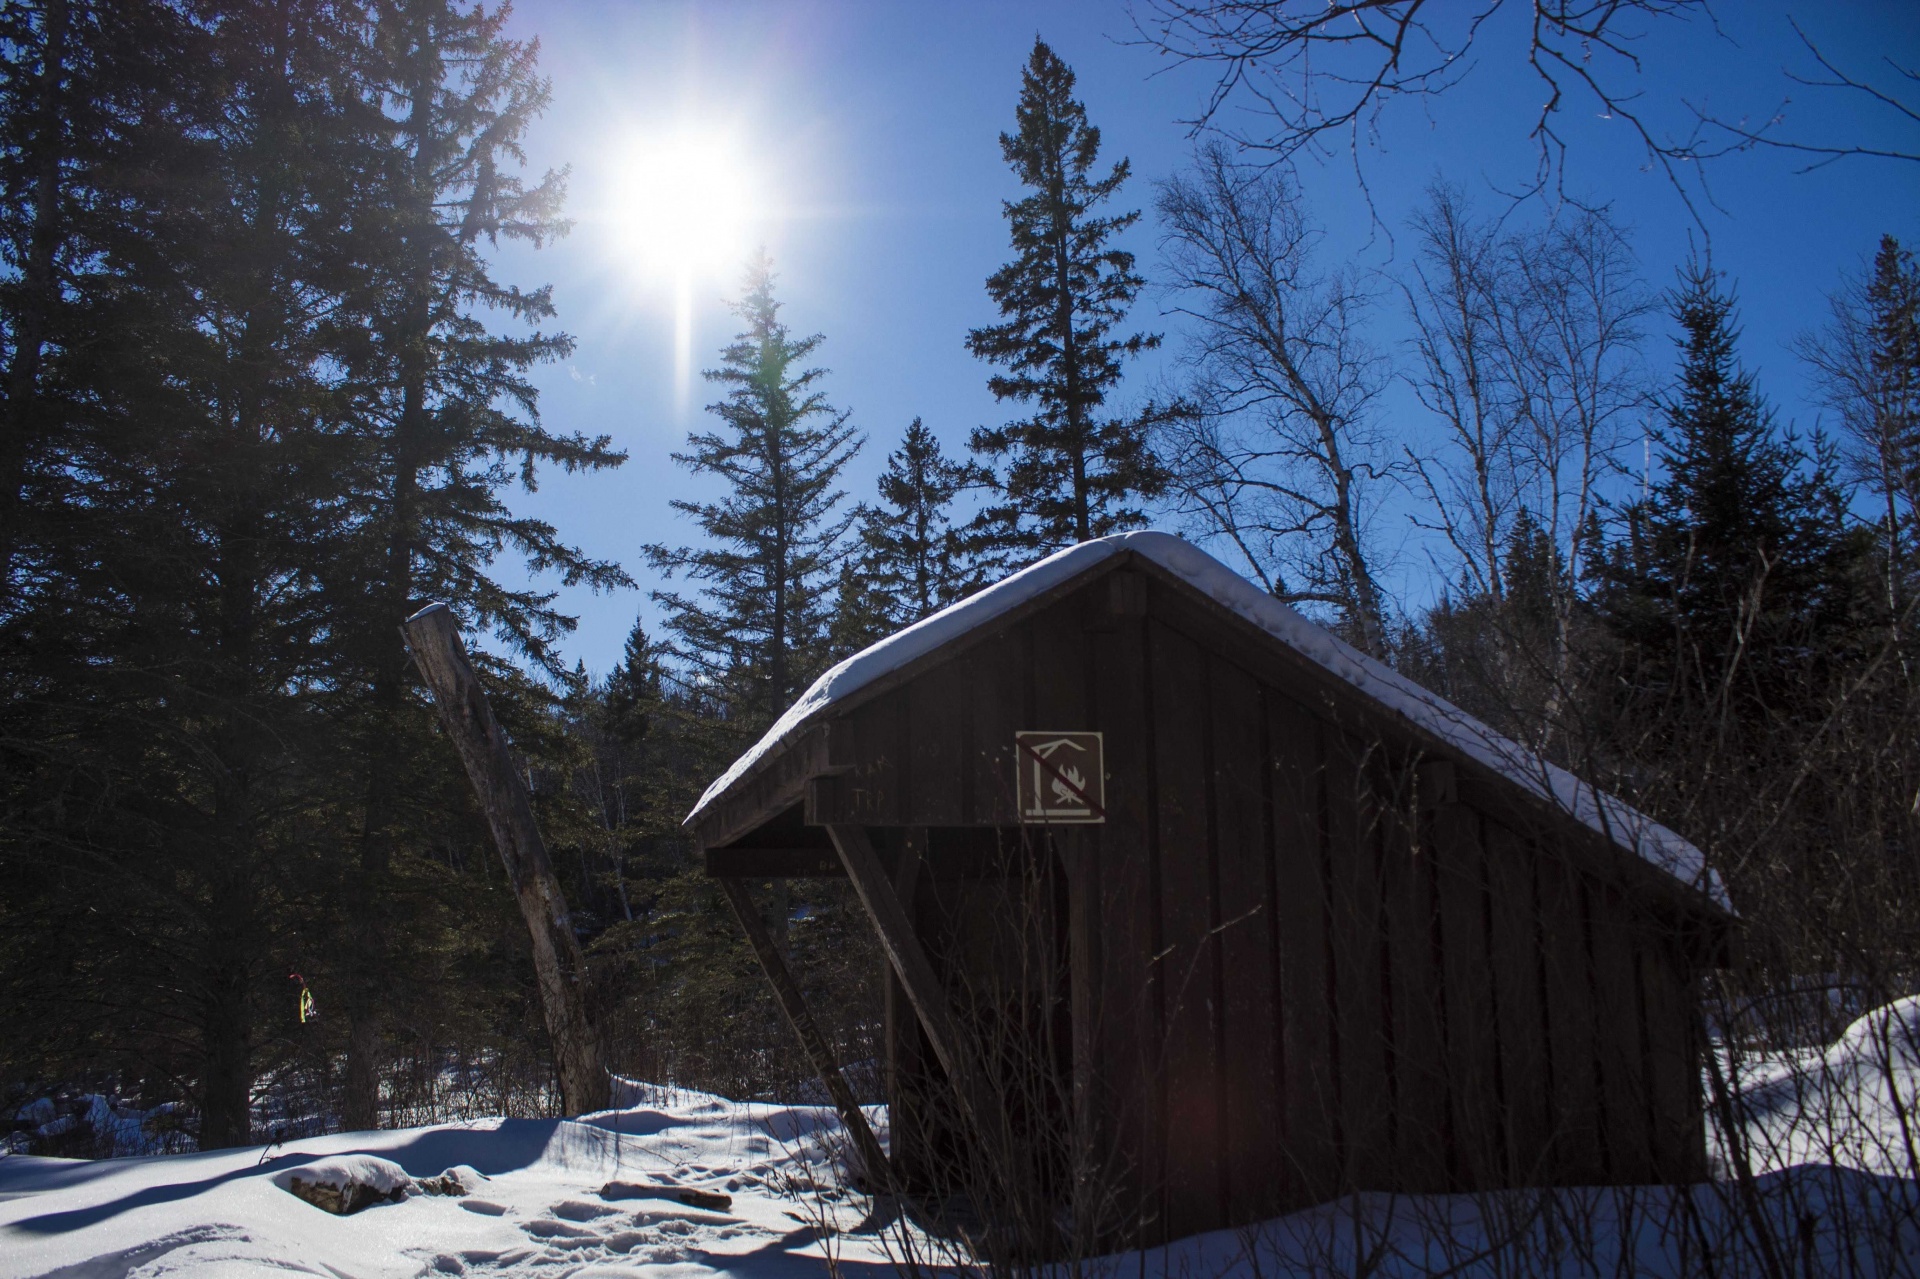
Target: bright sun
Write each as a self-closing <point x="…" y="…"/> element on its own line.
<point x="683" y="211"/>
<point x="681" y="203"/>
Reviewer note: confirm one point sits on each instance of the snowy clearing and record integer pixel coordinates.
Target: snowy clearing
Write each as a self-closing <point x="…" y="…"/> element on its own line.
<point x="1828" y="1130"/>
<point x="539" y="1213"/>
<point x="1851" y="1103"/>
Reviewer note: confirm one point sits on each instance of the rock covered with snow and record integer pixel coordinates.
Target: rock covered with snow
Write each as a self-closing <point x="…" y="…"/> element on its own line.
<point x="461" y="1179"/>
<point x="1422" y="708"/>
<point x="345" y="1184"/>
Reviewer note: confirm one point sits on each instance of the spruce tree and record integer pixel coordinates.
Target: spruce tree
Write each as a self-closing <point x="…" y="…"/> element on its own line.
<point x="758" y="627"/>
<point x="911" y="558"/>
<point x="269" y="415"/>
<point x="43" y="78"/>
<point x="1072" y="473"/>
<point x="1892" y="431"/>
<point x="450" y="420"/>
<point x="1736" y="560"/>
<point x="633" y="688"/>
<point x="208" y="483"/>
<point x="1893" y="307"/>
<point x="90" y="96"/>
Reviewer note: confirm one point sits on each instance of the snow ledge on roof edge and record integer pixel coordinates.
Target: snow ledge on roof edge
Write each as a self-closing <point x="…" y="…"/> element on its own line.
<point x="1611" y="817"/>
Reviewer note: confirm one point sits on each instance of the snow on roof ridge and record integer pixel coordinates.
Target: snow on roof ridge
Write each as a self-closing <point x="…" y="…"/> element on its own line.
<point x="1604" y="813"/>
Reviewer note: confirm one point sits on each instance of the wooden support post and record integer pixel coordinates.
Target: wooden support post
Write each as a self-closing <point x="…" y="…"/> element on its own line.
<point x="795" y="1007"/>
<point x="922" y="984"/>
<point x="434" y="637"/>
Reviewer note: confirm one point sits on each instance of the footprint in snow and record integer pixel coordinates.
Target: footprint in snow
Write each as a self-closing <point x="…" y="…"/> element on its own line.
<point x="587" y="1238"/>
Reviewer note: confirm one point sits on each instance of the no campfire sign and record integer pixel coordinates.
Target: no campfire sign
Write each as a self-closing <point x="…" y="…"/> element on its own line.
<point x="1062" y="777"/>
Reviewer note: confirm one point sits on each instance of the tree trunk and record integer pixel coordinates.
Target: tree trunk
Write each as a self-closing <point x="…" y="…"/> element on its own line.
<point x="362" y="1107"/>
<point x="434" y="637"/>
<point x="373" y="934"/>
<point x="227" y="1059"/>
<point x="224" y="979"/>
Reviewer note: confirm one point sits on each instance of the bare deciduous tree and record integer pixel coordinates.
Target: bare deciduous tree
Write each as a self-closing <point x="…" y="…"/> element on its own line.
<point x="1279" y="452"/>
<point x="1462" y="301"/>
<point x="1529" y="355"/>
<point x="1866" y="360"/>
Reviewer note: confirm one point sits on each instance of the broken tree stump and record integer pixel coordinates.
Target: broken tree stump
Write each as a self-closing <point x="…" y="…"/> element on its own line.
<point x="434" y="637"/>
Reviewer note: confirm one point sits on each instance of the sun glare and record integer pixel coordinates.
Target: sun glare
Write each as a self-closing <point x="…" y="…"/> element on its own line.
<point x="682" y="204"/>
<point x="682" y="210"/>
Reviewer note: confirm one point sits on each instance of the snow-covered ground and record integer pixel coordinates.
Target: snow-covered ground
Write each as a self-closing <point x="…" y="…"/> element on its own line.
<point x="1835" y="1194"/>
<point x="1851" y="1103"/>
<point x="539" y="1211"/>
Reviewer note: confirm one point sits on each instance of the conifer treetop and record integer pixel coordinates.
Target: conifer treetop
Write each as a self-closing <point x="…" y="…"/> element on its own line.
<point x="1070" y="473"/>
<point x="757" y="627"/>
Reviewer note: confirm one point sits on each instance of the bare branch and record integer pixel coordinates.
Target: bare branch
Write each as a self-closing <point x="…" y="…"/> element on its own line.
<point x="1320" y="76"/>
<point x="1737" y="135"/>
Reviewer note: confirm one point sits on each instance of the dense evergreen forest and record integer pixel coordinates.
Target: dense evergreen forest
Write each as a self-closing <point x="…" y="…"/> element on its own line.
<point x="265" y="394"/>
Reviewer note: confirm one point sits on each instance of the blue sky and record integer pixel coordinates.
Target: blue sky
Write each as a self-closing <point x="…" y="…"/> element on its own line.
<point x="868" y="133"/>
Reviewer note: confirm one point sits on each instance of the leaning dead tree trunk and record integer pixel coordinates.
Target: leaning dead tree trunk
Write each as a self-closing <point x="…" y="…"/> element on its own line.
<point x="434" y="637"/>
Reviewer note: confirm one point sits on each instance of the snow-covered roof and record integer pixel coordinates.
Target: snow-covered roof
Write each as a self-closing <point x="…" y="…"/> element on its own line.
<point x="1611" y="817"/>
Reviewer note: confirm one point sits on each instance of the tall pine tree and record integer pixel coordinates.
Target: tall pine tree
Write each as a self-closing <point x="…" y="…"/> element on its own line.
<point x="450" y="421"/>
<point x="759" y="626"/>
<point x="275" y="402"/>
<point x="1072" y="473"/>
<point x="44" y="90"/>
<point x="89" y="104"/>
<point x="209" y="502"/>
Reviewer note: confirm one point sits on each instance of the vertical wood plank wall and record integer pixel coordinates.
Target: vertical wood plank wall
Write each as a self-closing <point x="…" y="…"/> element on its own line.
<point x="1254" y="1082"/>
<point x="1289" y="977"/>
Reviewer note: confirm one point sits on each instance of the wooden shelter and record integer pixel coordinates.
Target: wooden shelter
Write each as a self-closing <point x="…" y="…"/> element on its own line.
<point x="1195" y="914"/>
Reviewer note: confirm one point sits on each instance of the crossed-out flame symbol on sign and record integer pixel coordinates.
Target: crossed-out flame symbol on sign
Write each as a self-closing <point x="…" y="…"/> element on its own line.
<point x="1060" y="776"/>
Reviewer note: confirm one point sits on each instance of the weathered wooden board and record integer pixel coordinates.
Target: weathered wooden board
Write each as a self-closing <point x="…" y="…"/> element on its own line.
<point x="1309" y="1056"/>
<point x="1364" y="1039"/>
<point x="1250" y="1010"/>
<point x="936" y="707"/>
<point x="1621" y="1042"/>
<point x="1000" y="673"/>
<point x="1474" y="1069"/>
<point x="1422" y="1135"/>
<point x="1579" y="1137"/>
<point x="1520" y="1007"/>
<point x="1673" y="1040"/>
<point x="1189" y="954"/>
<point x="1060" y="689"/>
<point x="1122" y="900"/>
